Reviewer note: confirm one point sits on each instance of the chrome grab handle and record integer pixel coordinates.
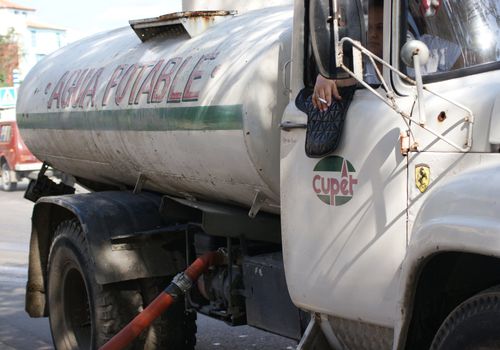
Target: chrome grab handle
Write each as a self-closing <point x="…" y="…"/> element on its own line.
<point x="288" y="125"/>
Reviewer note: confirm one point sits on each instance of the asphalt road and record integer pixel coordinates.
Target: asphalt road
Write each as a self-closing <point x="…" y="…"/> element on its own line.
<point x="18" y="331"/>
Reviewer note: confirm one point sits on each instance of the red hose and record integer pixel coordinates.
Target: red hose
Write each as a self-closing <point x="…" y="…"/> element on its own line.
<point x="159" y="305"/>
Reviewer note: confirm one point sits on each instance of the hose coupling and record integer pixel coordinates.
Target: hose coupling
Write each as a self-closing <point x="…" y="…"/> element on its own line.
<point x="179" y="286"/>
<point x="183" y="282"/>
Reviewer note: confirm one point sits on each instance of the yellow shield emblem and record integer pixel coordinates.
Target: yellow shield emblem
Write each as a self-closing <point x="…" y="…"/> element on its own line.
<point x="422" y="177"/>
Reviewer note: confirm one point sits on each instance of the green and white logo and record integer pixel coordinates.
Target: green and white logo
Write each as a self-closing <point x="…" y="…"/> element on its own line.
<point x="334" y="180"/>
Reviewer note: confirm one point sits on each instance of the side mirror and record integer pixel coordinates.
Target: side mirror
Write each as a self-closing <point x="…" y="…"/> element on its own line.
<point x="330" y="21"/>
<point x="412" y="48"/>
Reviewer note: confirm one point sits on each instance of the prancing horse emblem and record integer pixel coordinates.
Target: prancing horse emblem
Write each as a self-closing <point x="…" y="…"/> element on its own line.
<point x="422" y="177"/>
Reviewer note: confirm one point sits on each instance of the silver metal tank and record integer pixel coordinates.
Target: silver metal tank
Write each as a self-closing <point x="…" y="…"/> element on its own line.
<point x="236" y="5"/>
<point x="192" y="102"/>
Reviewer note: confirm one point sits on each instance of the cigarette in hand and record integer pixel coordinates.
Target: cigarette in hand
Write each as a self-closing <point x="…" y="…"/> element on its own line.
<point x="322" y="100"/>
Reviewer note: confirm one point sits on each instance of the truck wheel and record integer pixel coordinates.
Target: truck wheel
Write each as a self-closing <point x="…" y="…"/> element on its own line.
<point x="7" y="184"/>
<point x="474" y="324"/>
<point x="85" y="314"/>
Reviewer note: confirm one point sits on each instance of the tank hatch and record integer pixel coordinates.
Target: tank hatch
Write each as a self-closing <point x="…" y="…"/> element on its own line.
<point x="191" y="23"/>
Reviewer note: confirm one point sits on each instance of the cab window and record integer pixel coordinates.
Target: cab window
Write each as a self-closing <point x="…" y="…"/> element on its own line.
<point x="373" y="11"/>
<point x="462" y="34"/>
<point x="5" y="133"/>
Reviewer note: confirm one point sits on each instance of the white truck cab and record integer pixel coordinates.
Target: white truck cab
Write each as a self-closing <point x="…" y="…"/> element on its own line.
<point x="386" y="239"/>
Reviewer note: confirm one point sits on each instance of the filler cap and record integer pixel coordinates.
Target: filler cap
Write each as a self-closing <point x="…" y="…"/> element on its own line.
<point x="191" y="23"/>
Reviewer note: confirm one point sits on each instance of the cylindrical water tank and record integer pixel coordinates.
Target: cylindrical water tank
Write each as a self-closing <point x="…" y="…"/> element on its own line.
<point x="231" y="5"/>
<point x="195" y="116"/>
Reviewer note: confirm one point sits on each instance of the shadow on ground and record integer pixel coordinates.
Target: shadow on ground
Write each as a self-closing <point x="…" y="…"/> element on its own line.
<point x="17" y="330"/>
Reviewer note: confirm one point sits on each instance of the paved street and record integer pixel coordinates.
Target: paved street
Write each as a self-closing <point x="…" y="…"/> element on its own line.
<point x="18" y="331"/>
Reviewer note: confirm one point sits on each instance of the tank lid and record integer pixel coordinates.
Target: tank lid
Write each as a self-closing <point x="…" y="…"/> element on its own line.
<point x="191" y="23"/>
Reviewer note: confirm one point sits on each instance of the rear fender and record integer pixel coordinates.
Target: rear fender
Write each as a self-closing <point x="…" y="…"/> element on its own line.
<point x="127" y="237"/>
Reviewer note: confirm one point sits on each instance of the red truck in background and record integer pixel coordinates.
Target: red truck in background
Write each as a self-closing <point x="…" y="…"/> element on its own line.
<point x="16" y="160"/>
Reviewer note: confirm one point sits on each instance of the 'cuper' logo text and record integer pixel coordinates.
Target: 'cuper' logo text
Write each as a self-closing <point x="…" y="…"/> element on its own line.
<point x="334" y="180"/>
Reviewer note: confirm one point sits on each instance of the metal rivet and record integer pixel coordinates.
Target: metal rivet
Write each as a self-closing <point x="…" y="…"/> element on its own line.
<point x="442" y="117"/>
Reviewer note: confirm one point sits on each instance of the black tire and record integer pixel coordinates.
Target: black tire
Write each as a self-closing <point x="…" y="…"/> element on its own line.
<point x="7" y="184"/>
<point x="473" y="325"/>
<point x="85" y="314"/>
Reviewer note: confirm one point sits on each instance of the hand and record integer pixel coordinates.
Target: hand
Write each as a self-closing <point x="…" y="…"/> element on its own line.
<point x="324" y="90"/>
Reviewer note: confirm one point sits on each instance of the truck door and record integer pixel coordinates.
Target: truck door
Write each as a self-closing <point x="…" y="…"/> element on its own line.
<point x="344" y="215"/>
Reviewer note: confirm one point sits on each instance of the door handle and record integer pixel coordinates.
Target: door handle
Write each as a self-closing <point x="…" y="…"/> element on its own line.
<point x="288" y="125"/>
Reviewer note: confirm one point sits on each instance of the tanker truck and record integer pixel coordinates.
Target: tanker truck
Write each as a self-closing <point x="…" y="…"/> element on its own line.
<point x="187" y="132"/>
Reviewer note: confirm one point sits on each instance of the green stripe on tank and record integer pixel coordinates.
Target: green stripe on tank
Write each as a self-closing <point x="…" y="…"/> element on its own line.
<point x="144" y="119"/>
